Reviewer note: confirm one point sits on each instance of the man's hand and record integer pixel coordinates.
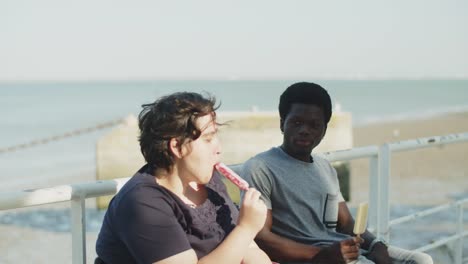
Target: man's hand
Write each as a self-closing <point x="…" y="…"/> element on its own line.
<point x="350" y="248"/>
<point x="340" y="252"/>
<point x="379" y="254"/>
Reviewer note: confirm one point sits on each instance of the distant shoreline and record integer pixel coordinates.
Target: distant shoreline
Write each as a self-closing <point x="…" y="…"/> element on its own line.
<point x="403" y="117"/>
<point x="296" y="79"/>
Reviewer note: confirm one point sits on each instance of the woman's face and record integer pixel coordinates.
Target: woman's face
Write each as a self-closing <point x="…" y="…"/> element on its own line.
<point x="199" y="156"/>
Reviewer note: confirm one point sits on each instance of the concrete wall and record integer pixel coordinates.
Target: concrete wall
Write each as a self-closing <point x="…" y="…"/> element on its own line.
<point x="247" y="134"/>
<point x="118" y="155"/>
<point x="242" y="136"/>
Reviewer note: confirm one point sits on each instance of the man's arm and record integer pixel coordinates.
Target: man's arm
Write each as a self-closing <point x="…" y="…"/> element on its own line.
<point x="281" y="249"/>
<point x="379" y="253"/>
<point x="346" y="225"/>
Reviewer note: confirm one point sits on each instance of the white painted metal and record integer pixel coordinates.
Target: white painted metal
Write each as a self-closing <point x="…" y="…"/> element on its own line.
<point x="64" y="193"/>
<point x="78" y="225"/>
<point x="442" y="242"/>
<point x="429" y="211"/>
<point x="459" y="245"/>
<point x="350" y="154"/>
<point x="17" y="199"/>
<point x="373" y="193"/>
<point x="383" y="188"/>
<point x="428" y="142"/>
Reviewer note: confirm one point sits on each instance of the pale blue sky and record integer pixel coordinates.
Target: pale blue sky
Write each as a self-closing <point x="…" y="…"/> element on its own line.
<point x="132" y="40"/>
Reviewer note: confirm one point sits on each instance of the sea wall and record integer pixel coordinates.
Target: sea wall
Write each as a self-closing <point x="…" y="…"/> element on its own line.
<point x="242" y="135"/>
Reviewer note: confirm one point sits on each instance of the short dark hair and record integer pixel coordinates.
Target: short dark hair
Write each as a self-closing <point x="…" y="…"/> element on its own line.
<point x="305" y="93"/>
<point x="171" y="116"/>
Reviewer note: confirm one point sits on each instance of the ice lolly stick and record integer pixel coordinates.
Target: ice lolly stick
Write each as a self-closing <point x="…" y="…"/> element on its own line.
<point x="232" y="176"/>
<point x="361" y="219"/>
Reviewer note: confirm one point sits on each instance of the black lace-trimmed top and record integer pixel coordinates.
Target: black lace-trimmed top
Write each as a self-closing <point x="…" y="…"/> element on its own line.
<point x="146" y="223"/>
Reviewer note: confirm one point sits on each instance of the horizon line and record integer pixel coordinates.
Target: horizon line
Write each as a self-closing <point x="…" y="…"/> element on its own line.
<point x="142" y="80"/>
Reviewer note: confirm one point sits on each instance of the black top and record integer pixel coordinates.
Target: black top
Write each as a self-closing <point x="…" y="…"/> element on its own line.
<point x="146" y="222"/>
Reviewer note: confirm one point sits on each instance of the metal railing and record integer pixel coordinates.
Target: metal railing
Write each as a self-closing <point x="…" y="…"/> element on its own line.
<point x="379" y="202"/>
<point x="379" y="209"/>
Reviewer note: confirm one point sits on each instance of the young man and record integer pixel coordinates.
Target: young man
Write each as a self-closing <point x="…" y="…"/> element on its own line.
<point x="308" y="220"/>
<point x="174" y="209"/>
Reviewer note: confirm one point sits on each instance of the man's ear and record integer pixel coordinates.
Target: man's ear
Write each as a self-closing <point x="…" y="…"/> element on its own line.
<point x="174" y="146"/>
<point x="282" y="125"/>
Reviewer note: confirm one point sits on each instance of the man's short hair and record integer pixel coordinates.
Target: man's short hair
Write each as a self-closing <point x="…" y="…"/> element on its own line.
<point x="305" y="93"/>
<point x="171" y="116"/>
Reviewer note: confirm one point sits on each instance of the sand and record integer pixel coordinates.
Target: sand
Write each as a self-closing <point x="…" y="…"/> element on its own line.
<point x="32" y="245"/>
<point x="425" y="176"/>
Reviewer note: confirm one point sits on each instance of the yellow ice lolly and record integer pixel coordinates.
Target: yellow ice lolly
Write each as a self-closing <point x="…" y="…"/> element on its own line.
<point x="361" y="219"/>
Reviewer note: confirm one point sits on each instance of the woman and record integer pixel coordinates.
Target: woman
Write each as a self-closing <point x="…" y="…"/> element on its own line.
<point x="175" y="209"/>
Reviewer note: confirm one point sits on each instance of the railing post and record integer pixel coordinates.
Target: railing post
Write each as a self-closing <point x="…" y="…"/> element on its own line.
<point x="373" y="193"/>
<point x="459" y="244"/>
<point x="78" y="225"/>
<point x="383" y="188"/>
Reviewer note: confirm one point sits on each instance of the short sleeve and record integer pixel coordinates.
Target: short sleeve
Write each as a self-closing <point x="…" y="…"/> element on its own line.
<point x="149" y="227"/>
<point x="256" y="173"/>
<point x="333" y="178"/>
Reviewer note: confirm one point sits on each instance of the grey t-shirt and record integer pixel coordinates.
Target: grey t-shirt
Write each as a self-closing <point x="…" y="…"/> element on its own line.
<point x="303" y="196"/>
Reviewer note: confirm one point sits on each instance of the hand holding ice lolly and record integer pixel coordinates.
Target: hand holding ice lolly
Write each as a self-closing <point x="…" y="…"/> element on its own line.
<point x="232" y="176"/>
<point x="361" y="219"/>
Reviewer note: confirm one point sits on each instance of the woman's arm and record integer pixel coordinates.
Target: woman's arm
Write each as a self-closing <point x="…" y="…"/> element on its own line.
<point x="283" y="249"/>
<point x="245" y="255"/>
<point x="236" y="246"/>
<point x="187" y="256"/>
<point x="255" y="255"/>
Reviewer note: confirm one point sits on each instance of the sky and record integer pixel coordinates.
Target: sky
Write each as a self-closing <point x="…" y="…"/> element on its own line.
<point x="232" y="40"/>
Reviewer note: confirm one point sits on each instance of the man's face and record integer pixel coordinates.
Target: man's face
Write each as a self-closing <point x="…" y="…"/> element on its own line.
<point x="303" y="128"/>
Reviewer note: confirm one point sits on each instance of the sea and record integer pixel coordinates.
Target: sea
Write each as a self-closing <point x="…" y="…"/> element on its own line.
<point x="33" y="111"/>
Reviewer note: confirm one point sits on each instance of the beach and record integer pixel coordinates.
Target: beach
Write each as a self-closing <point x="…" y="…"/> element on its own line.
<point x="425" y="176"/>
<point x="419" y="178"/>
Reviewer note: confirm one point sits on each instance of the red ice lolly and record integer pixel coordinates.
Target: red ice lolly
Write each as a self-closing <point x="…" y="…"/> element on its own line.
<point x="232" y="176"/>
